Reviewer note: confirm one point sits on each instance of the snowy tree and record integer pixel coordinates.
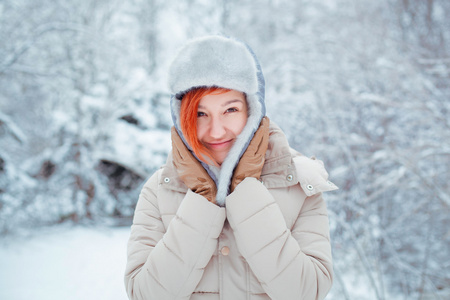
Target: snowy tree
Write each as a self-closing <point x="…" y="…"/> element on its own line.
<point x="362" y="85"/>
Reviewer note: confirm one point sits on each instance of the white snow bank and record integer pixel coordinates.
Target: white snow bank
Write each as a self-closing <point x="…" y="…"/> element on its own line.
<point x="70" y="263"/>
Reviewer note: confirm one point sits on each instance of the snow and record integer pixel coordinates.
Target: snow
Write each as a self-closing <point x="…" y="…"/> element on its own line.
<point x="362" y="85"/>
<point x="6" y="124"/>
<point x="83" y="263"/>
<point x="64" y="263"/>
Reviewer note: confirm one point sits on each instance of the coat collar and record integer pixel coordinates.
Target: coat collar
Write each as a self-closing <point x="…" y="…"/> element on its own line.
<point x="278" y="171"/>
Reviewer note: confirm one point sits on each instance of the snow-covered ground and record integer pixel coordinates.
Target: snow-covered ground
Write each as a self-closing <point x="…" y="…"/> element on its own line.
<point x="73" y="263"/>
<point x="84" y="263"/>
<point x="64" y="263"/>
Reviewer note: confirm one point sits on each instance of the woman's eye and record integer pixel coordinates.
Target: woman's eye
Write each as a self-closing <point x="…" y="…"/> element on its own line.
<point x="200" y="114"/>
<point x="232" y="109"/>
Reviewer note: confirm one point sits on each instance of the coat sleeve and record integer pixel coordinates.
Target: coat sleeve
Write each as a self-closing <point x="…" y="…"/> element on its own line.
<point x="169" y="264"/>
<point x="289" y="264"/>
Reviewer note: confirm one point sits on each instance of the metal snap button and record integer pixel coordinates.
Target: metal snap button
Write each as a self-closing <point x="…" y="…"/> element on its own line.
<point x="167" y="180"/>
<point x="225" y="251"/>
<point x="309" y="187"/>
<point x="289" y="177"/>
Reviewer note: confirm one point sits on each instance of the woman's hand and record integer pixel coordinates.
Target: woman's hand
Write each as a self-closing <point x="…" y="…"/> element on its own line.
<point x="191" y="171"/>
<point x="252" y="161"/>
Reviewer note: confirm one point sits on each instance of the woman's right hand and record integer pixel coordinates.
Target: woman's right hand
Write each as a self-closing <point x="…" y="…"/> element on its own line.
<point x="190" y="169"/>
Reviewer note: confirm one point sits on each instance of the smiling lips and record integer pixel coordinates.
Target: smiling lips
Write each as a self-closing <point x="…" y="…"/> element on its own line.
<point x="220" y="145"/>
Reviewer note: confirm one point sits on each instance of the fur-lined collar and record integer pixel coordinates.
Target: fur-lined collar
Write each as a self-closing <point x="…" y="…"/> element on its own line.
<point x="284" y="167"/>
<point x="277" y="168"/>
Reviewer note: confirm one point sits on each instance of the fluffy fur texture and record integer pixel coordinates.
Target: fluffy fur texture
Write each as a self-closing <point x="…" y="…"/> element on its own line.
<point x="213" y="60"/>
<point x="223" y="62"/>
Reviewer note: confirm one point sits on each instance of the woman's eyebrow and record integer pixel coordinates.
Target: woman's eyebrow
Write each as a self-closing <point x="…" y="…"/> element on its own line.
<point x="225" y="104"/>
<point x="232" y="101"/>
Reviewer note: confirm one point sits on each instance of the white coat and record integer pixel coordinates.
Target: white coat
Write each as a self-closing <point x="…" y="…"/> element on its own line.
<point x="271" y="241"/>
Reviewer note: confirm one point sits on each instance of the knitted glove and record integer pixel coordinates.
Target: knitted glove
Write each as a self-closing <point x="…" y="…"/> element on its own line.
<point x="190" y="170"/>
<point x="252" y="161"/>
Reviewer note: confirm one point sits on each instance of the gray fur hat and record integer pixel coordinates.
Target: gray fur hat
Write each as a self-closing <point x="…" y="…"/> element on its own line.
<point x="223" y="62"/>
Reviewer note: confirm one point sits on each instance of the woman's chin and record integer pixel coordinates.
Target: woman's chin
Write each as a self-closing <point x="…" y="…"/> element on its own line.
<point x="219" y="157"/>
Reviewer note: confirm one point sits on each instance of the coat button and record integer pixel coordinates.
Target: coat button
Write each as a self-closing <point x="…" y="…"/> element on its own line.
<point x="289" y="177"/>
<point x="309" y="187"/>
<point x="167" y="180"/>
<point x="225" y="251"/>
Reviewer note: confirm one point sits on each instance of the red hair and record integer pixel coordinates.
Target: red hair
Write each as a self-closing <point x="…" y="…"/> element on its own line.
<point x="188" y="117"/>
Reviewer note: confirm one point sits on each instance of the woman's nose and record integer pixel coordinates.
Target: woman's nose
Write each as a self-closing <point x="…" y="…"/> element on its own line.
<point x="217" y="129"/>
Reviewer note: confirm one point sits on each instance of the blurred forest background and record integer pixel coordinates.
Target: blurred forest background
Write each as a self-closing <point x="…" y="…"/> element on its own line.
<point x="363" y="85"/>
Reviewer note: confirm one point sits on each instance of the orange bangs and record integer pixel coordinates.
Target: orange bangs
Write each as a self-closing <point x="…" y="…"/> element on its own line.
<point x="188" y="117"/>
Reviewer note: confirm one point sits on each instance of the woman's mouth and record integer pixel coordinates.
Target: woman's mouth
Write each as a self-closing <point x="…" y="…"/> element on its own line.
<point x="219" y="145"/>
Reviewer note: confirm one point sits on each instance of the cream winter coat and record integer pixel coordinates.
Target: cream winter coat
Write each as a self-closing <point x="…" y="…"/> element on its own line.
<point x="271" y="241"/>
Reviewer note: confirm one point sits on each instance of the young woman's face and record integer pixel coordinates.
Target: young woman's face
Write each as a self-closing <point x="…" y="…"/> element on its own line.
<point x="220" y="119"/>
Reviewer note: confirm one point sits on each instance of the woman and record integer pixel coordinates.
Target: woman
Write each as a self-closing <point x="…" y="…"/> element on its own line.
<point x="234" y="213"/>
